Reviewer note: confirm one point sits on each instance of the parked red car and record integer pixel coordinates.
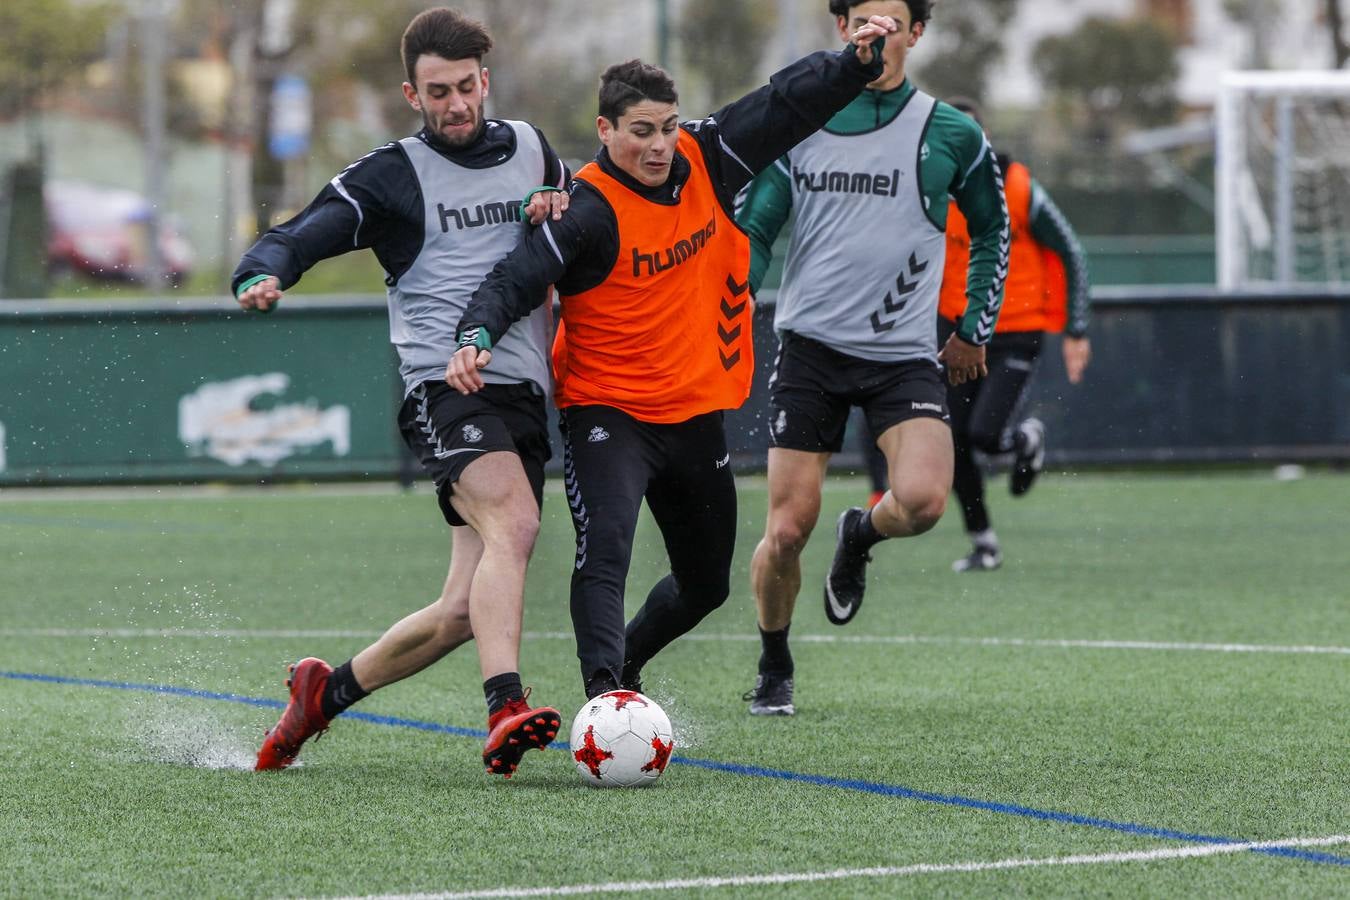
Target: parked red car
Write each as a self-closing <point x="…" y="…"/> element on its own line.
<point x="103" y="233"/>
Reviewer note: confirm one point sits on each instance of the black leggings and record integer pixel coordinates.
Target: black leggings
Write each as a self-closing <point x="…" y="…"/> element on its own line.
<point x="983" y="410"/>
<point x="611" y="462"/>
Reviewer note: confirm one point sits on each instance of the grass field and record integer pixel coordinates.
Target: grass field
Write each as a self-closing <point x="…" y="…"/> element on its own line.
<point x="1161" y="669"/>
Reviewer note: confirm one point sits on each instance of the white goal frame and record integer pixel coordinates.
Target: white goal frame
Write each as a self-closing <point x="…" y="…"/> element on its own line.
<point x="1233" y="184"/>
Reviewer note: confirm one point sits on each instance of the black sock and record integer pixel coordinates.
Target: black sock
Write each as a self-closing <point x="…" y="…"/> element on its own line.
<point x="341" y="691"/>
<point x="501" y="690"/>
<point x="865" y="533"/>
<point x="775" y="658"/>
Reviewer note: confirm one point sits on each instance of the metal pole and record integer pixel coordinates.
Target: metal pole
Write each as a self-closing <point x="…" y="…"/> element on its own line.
<point x="239" y="139"/>
<point x="1256" y="29"/>
<point x="1228" y="164"/>
<point x="663" y="34"/>
<point x="153" y="52"/>
<point x="1284" y="189"/>
<point x="794" y="32"/>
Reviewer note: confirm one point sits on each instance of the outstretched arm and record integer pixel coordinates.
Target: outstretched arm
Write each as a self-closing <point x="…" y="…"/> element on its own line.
<point x="514" y="288"/>
<point x="762" y="211"/>
<point x="323" y="230"/>
<point x="1050" y="228"/>
<point x="744" y="137"/>
<point x="549" y="200"/>
<point x="519" y="282"/>
<point x="371" y="204"/>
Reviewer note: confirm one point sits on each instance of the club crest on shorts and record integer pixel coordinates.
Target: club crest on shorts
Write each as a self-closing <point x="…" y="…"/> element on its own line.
<point x="597" y="435"/>
<point x="780" y="423"/>
<point x="472" y="433"/>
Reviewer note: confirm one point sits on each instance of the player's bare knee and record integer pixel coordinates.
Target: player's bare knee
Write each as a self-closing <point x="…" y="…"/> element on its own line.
<point x="521" y="534"/>
<point x="454" y="629"/>
<point x="514" y="534"/>
<point x="452" y="625"/>
<point x="786" y="539"/>
<point x="926" y="513"/>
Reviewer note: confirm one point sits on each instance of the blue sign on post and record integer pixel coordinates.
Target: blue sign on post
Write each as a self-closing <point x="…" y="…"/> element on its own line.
<point x="292" y="118"/>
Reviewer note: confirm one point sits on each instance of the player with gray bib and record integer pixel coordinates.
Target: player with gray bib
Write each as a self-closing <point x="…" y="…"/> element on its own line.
<point x="439" y="209"/>
<point x="857" y="323"/>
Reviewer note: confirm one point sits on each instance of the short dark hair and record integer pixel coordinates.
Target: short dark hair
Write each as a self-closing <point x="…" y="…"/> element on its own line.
<point x="970" y="106"/>
<point x="446" y="33"/>
<point x="629" y="83"/>
<point x="919" y="10"/>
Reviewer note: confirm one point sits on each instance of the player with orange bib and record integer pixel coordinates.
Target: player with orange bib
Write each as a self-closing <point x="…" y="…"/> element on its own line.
<point x="654" y="342"/>
<point x="1046" y="291"/>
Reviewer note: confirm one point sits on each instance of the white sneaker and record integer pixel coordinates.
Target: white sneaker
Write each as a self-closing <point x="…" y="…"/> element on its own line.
<point x="1030" y="458"/>
<point x="980" y="559"/>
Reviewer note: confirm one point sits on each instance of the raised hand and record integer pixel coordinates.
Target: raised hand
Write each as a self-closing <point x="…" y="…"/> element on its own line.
<point x="874" y="31"/>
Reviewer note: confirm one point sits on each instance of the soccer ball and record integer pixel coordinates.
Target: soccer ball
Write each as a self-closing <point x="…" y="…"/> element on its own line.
<point x="621" y="739"/>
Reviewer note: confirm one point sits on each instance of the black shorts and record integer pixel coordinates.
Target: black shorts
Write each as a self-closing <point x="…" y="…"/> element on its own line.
<point x="985" y="410"/>
<point x="814" y="386"/>
<point x="447" y="430"/>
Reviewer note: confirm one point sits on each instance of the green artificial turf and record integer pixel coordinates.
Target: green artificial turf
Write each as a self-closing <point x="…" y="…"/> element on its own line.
<point x="945" y="684"/>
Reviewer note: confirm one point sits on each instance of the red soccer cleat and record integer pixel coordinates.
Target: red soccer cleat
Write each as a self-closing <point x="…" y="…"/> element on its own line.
<point x="515" y="728"/>
<point x="303" y="717"/>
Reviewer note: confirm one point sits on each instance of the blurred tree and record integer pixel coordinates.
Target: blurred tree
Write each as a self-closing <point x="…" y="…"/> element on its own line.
<point x="1340" y="52"/>
<point x="44" y="43"/>
<point x="963" y="43"/>
<point x="1260" y="18"/>
<point x="1113" y="74"/>
<point x="542" y="81"/>
<point x="722" y="44"/>
<point x="544" y="86"/>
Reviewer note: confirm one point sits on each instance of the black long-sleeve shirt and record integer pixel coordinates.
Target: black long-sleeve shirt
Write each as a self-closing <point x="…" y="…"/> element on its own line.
<point x="578" y="252"/>
<point x="375" y="203"/>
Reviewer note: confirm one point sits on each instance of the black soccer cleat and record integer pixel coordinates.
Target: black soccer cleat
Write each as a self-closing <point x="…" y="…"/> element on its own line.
<point x="847" y="580"/>
<point x="771" y="696"/>
<point x="1030" y="459"/>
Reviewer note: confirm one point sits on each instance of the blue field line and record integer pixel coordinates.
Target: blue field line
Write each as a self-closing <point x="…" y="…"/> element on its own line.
<point x="394" y="721"/>
<point x="847" y="784"/>
<point x="1012" y="809"/>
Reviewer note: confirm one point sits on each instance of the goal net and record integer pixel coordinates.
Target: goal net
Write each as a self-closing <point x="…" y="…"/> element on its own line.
<point x="1282" y="180"/>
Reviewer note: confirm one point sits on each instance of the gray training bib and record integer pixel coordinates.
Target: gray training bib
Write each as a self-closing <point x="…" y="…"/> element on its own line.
<point x="472" y="220"/>
<point x="864" y="265"/>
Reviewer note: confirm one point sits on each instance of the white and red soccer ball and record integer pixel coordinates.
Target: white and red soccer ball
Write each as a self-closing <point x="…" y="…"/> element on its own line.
<point x="621" y="739"/>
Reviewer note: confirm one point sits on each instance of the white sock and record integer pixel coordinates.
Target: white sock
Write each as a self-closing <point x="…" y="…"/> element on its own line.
<point x="984" y="540"/>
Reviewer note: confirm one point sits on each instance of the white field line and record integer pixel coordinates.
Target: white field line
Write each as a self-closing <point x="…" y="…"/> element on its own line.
<point x="684" y="884"/>
<point x="319" y="634"/>
<point x="187" y="633"/>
